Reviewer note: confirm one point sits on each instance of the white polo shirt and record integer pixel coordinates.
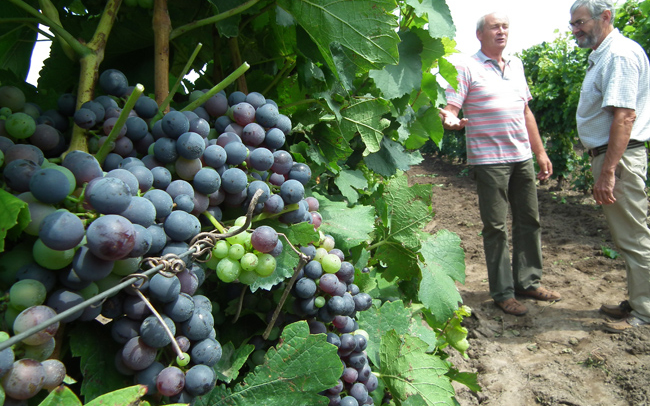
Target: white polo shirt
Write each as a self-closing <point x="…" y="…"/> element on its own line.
<point x="618" y="75"/>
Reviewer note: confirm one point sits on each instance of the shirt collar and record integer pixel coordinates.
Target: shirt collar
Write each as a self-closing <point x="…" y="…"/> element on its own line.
<point x="604" y="46"/>
<point x="484" y="58"/>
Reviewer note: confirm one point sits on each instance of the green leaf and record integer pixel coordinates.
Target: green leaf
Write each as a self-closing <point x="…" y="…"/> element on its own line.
<point x="469" y="379"/>
<point x="125" y="396"/>
<point x="392" y="158"/>
<point x="367" y="28"/>
<point x="427" y="126"/>
<point x="364" y="116"/>
<point x="96" y="351"/>
<point x="438" y="16"/>
<point x="293" y="373"/>
<point x="448" y="72"/>
<point x="408" y="370"/>
<point x="444" y="264"/>
<point x="397" y="80"/>
<point x="348" y="181"/>
<point x="231" y="361"/>
<point x="377" y="320"/>
<point x="349" y="226"/>
<point x="424" y="333"/>
<point x="16" y="41"/>
<point x="432" y="49"/>
<point x="409" y="210"/>
<point x="61" y="396"/>
<point x="14" y="217"/>
<point x="609" y="253"/>
<point x="400" y="261"/>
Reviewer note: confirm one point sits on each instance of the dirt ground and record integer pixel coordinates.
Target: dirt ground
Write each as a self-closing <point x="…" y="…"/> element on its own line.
<point x="557" y="354"/>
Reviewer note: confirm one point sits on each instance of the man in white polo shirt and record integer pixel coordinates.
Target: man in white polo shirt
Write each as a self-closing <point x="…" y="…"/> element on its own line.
<point x="501" y="134"/>
<point x="613" y="120"/>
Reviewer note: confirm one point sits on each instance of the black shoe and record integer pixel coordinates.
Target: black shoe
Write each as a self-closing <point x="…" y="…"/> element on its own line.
<point x="619" y="311"/>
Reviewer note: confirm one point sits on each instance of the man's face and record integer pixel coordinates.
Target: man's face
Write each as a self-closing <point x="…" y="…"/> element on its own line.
<point x="587" y="30"/>
<point x="494" y="35"/>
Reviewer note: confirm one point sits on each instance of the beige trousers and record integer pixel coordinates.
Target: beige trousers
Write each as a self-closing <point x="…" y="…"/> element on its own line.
<point x="627" y="223"/>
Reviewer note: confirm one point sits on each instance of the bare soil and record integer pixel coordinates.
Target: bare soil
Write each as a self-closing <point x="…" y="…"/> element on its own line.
<point x="557" y="354"/>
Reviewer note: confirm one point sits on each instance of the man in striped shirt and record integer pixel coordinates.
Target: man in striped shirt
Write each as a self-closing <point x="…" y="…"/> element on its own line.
<point x="501" y="135"/>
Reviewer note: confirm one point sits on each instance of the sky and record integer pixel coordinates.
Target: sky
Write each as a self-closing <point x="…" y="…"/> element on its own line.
<point x="531" y="22"/>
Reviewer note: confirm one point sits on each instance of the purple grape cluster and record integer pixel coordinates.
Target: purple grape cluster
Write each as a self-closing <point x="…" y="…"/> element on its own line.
<point x="325" y="295"/>
<point x="166" y="178"/>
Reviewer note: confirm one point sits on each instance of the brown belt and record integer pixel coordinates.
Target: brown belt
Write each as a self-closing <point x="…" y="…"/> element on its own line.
<point x="603" y="148"/>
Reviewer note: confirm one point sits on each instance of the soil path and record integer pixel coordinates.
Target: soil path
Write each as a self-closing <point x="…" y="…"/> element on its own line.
<point x="557" y="354"/>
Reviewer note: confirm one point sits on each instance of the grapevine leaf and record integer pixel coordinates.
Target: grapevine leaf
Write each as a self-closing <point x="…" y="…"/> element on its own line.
<point x="424" y="333"/>
<point x="468" y="379"/>
<point x="409" y="210"/>
<point x="427" y="126"/>
<point x="231" y="361"/>
<point x="302" y="234"/>
<point x="397" y="80"/>
<point x="408" y="370"/>
<point x="444" y="264"/>
<point x="16" y="41"/>
<point x="230" y="26"/>
<point x="400" y="262"/>
<point x="392" y="158"/>
<point x="333" y="145"/>
<point x="364" y="116"/>
<point x="448" y="72"/>
<point x="14" y="217"/>
<point x="96" y="351"/>
<point x="61" y="395"/>
<point x="432" y="49"/>
<point x="348" y="181"/>
<point x="377" y="320"/>
<point x="438" y="16"/>
<point x="125" y="396"/>
<point x="350" y="226"/>
<point x="366" y="28"/>
<point x="294" y="372"/>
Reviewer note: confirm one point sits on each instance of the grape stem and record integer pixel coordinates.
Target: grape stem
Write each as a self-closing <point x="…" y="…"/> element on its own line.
<point x="218" y="87"/>
<point x="165" y="104"/>
<point x="121" y="120"/>
<point x="301" y="263"/>
<point x="177" y="348"/>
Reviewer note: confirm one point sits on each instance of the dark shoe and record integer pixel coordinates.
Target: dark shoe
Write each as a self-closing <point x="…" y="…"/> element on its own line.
<point x="540" y="294"/>
<point x="623" y="325"/>
<point x="619" y="311"/>
<point x="512" y="306"/>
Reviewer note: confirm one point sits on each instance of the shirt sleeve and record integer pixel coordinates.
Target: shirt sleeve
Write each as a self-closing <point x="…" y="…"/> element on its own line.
<point x="621" y="82"/>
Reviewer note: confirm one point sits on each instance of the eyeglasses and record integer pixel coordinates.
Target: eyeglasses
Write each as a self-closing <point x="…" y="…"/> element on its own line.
<point x="579" y="23"/>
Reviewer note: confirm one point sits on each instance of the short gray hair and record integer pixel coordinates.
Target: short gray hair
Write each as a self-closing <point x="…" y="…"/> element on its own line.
<point x="481" y="21"/>
<point x="595" y="7"/>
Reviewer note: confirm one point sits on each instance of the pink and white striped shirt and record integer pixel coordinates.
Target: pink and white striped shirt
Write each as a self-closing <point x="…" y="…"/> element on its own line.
<point x="493" y="102"/>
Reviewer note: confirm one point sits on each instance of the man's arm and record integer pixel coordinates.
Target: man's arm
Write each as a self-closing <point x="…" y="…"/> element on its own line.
<point x="545" y="165"/>
<point x="619" y="136"/>
<point x="449" y="117"/>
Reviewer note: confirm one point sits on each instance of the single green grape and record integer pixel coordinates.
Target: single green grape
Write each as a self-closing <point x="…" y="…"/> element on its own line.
<point x="242" y="238"/>
<point x="228" y="270"/>
<point x="27" y="293"/>
<point x="236" y="252"/>
<point x="331" y="263"/>
<point x="49" y="258"/>
<point x="328" y="243"/>
<point x="220" y="249"/>
<point x="266" y="265"/>
<point x="4" y="336"/>
<point x="240" y="221"/>
<point x="319" y="301"/>
<point x="249" y="261"/>
<point x="320" y="253"/>
<point x="183" y="362"/>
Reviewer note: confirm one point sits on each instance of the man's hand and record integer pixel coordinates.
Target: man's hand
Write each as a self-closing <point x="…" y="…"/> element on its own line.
<point x="604" y="189"/>
<point x="450" y="120"/>
<point x="545" y="167"/>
